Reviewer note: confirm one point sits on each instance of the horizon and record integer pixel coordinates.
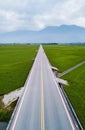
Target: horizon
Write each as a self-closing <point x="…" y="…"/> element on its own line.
<point x="36" y="15"/>
<point x="56" y="26"/>
<point x="51" y="34"/>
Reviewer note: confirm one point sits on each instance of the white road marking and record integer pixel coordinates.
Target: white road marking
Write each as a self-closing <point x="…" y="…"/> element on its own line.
<point x="69" y="117"/>
<point x="22" y="100"/>
<point x="68" y="114"/>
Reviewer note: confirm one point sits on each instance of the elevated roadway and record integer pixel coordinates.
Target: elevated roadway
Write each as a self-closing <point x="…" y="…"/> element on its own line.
<point x="41" y="106"/>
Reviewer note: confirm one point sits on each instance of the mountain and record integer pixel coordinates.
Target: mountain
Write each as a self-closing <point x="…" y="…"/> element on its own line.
<point x="50" y="34"/>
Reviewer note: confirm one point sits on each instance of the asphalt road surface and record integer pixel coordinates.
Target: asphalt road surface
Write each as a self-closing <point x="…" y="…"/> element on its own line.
<point x="42" y="106"/>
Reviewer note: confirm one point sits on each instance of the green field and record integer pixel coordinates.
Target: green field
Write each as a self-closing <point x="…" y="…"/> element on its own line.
<point x="65" y="57"/>
<point x="15" y="63"/>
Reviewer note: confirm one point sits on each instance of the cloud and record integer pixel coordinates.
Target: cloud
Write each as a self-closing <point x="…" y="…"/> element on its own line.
<point x="35" y="15"/>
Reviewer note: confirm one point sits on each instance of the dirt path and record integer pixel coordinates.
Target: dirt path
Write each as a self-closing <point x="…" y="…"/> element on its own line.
<point x="71" y="69"/>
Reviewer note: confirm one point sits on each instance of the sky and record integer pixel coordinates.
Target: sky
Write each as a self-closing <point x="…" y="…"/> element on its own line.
<point x="38" y="14"/>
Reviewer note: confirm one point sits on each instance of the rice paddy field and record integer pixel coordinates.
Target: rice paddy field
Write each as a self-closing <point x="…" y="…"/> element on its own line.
<point x="15" y="64"/>
<point x="64" y="57"/>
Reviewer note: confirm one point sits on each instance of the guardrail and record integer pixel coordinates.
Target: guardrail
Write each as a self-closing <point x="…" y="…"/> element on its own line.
<point x="70" y="109"/>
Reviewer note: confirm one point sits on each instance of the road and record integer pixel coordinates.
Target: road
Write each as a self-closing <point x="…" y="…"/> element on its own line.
<point x="42" y="106"/>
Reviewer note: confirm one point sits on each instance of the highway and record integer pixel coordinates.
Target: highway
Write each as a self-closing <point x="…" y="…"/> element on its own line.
<point x="41" y="106"/>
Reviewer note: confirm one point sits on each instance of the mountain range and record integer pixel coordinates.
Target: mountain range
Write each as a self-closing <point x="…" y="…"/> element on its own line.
<point x="50" y="34"/>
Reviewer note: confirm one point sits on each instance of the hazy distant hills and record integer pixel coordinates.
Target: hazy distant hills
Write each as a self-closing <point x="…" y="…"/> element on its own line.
<point x="51" y="34"/>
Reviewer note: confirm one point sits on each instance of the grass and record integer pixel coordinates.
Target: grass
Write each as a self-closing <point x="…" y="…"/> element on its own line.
<point x="65" y="57"/>
<point x="15" y="63"/>
<point x="5" y="113"/>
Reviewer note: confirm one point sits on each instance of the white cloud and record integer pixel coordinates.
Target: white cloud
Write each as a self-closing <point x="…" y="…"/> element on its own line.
<point x="31" y="14"/>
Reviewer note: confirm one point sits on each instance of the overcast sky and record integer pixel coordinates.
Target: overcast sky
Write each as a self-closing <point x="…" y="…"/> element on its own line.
<point x="37" y="14"/>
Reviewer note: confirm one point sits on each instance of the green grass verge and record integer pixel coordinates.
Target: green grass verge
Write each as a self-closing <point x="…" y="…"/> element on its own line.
<point x="65" y="57"/>
<point x="4" y="115"/>
<point x="15" y="63"/>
